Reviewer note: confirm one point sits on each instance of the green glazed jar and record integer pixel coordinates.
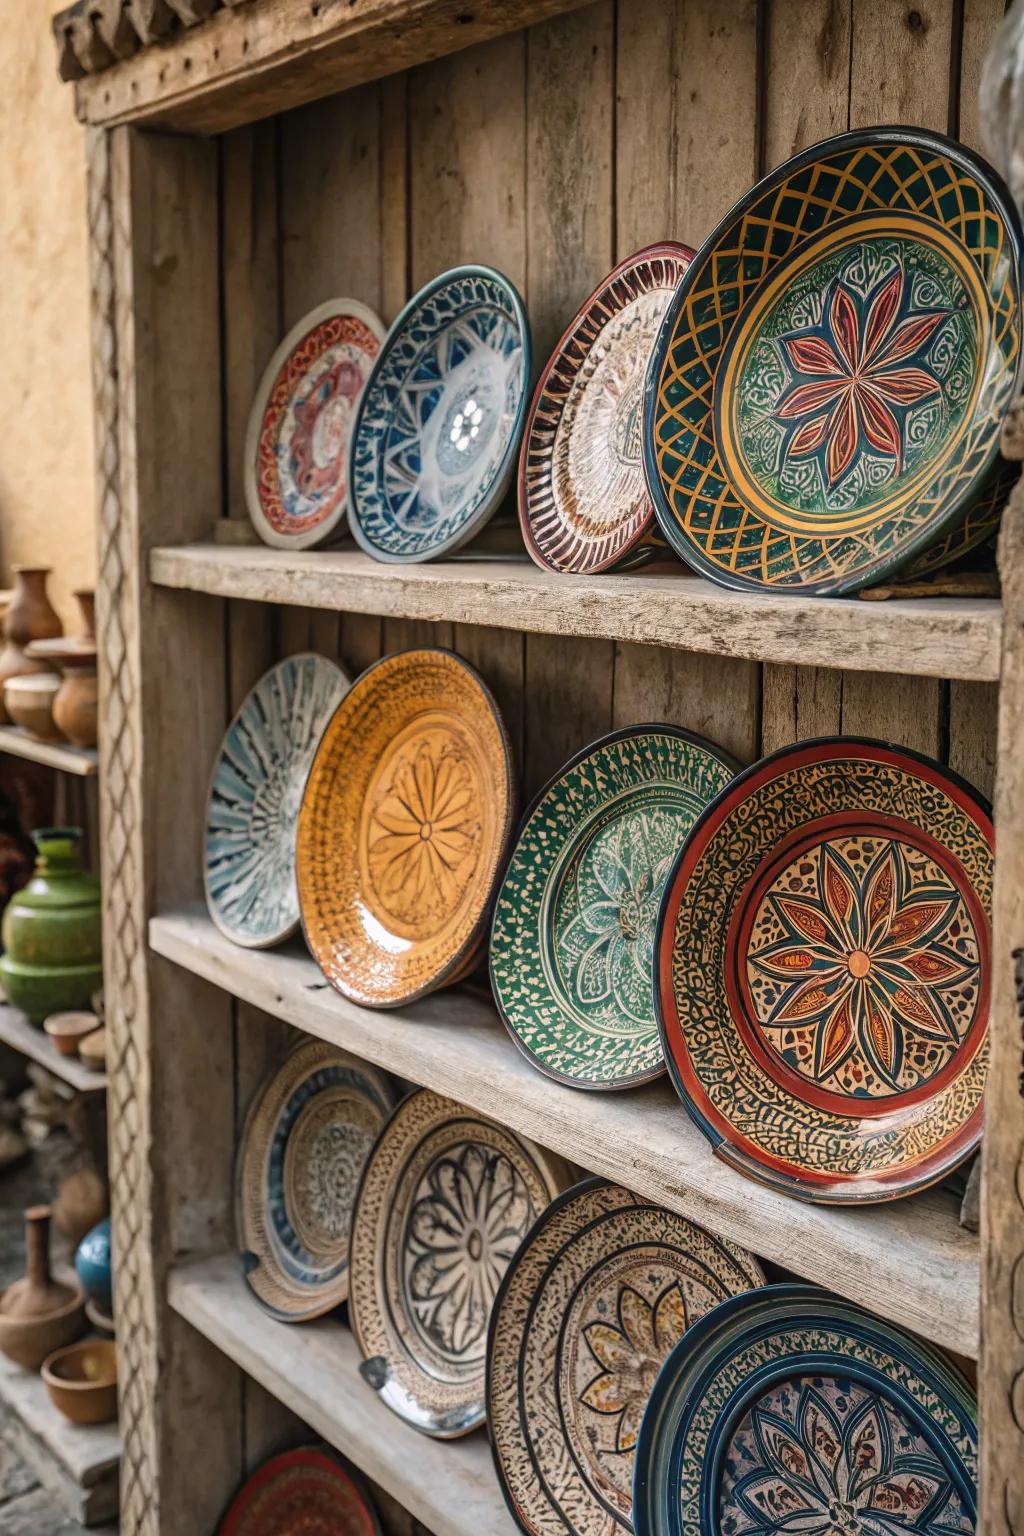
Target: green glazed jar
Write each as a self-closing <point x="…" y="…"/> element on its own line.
<point x="51" y="931"/>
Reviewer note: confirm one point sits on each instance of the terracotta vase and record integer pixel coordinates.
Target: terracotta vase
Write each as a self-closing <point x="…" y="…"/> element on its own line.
<point x="39" y="1314"/>
<point x="85" y="597"/>
<point x="30" y="616"/>
<point x="76" y="702"/>
<point x="51" y="931"/>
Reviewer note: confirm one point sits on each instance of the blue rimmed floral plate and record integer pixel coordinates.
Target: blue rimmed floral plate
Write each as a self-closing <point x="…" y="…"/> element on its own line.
<point x="572" y="942"/>
<point x="437" y="432"/>
<point x="788" y="1410"/>
<point x="302" y="1151"/>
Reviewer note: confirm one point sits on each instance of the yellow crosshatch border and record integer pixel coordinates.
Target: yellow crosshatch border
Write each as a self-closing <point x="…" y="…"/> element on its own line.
<point x="697" y="503"/>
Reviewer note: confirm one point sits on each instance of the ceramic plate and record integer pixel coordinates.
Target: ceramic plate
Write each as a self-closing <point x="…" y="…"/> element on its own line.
<point x="823" y="970"/>
<point x="572" y="946"/>
<point x="300" y="425"/>
<point x="599" y="1293"/>
<point x="826" y="394"/>
<point x="309" y="1490"/>
<point x="438" y="428"/>
<point x="404" y="829"/>
<point x="583" y="500"/>
<point x="305" y="1142"/>
<point x="255" y="793"/>
<point x="787" y="1410"/>
<point x="445" y="1201"/>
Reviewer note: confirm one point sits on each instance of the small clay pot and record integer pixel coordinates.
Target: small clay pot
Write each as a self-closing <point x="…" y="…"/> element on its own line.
<point x="102" y="1321"/>
<point x="37" y="1313"/>
<point x="76" y="703"/>
<point x="82" y="1381"/>
<point x="93" y="1050"/>
<point x="29" y="699"/>
<point x="31" y="615"/>
<point x="14" y="663"/>
<point x="67" y="1030"/>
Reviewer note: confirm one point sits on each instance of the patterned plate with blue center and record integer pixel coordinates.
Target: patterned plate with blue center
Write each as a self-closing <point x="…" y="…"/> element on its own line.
<point x="255" y="795"/>
<point x="572" y="944"/>
<point x="788" y="1410"/>
<point x="438" y="428"/>
<point x="302" y="1152"/>
<point x="825" y="399"/>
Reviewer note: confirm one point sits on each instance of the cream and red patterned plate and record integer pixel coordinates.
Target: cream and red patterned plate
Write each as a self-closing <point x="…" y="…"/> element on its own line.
<point x="309" y="1490"/>
<point x="305" y="1141"/>
<point x="601" y="1290"/>
<point x="300" y="425"/>
<point x="823" y="970"/>
<point x="445" y="1201"/>
<point x="404" y="828"/>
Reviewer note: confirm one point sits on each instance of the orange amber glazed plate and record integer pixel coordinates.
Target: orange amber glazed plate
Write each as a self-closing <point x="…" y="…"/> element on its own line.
<point x="404" y="829"/>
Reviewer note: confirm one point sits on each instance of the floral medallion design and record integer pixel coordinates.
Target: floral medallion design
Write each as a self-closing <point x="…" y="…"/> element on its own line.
<point x="255" y="793"/>
<point x="302" y="420"/>
<point x="308" y="1491"/>
<point x="583" y="500"/>
<point x="446" y="1199"/>
<point x="788" y="1410"/>
<point x="825" y="1457"/>
<point x="302" y="1152"/>
<point x="863" y="966"/>
<point x="828" y="384"/>
<point x="572" y="944"/>
<point x="823" y="967"/>
<point x="439" y="425"/>
<point x="593" y="1304"/>
<point x="404" y="829"/>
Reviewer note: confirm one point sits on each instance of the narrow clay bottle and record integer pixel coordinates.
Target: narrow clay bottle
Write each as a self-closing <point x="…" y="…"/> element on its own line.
<point x="37" y="1294"/>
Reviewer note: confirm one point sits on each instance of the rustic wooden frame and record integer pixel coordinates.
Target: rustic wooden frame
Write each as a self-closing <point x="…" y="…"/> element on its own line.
<point x="202" y="251"/>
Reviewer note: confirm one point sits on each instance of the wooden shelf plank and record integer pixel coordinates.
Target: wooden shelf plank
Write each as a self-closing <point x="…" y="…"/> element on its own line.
<point x="82" y="761"/>
<point x="910" y="1261"/>
<point x="77" y="1462"/>
<point x="268" y="56"/>
<point x="17" y="1032"/>
<point x="314" y="1370"/>
<point x="929" y="637"/>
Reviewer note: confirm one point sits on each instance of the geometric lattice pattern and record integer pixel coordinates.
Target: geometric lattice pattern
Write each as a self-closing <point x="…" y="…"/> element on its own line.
<point x="708" y="523"/>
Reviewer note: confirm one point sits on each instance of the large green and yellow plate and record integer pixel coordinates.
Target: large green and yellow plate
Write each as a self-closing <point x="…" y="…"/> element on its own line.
<point x="825" y="398"/>
<point x="572" y="943"/>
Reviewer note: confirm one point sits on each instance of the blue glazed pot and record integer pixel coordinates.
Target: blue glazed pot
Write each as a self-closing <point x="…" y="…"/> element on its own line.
<point x="94" y="1265"/>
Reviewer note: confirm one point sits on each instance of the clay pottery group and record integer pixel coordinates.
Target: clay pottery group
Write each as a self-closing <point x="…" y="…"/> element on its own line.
<point x="37" y="1313"/>
<point x="51" y="931"/>
<point x="76" y="696"/>
<point x="67" y="1030"/>
<point x="29" y="699"/>
<point x="30" y="616"/>
<point x="82" y="1381"/>
<point x="94" y="1266"/>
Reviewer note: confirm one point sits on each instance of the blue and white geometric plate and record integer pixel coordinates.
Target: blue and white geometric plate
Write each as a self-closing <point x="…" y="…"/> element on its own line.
<point x="255" y="794"/>
<point x="788" y="1410"/>
<point x="302" y="1151"/>
<point x="437" y="432"/>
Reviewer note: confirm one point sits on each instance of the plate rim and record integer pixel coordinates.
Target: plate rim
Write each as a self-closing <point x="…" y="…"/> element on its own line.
<point x="918" y="138"/>
<point x="506" y="468"/>
<point x="323" y="531"/>
<point x="608" y="739"/>
<point x="733" y="1152"/>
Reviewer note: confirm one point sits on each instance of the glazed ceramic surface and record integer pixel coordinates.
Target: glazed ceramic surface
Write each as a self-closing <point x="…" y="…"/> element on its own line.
<point x="787" y="1410"/>
<point x="255" y="794"/>
<point x="308" y="1491"/>
<point x="446" y="1199"/>
<point x="438" y="428"/>
<point x="583" y="500"/>
<point x="300" y="425"/>
<point x="572" y="945"/>
<point x="305" y="1142"/>
<point x="823" y="970"/>
<point x="601" y="1290"/>
<point x="94" y="1266"/>
<point x="826" y="395"/>
<point x="404" y="828"/>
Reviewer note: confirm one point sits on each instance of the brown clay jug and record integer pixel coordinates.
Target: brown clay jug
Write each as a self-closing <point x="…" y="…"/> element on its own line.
<point x="30" y="616"/>
<point x="76" y="702"/>
<point x="38" y="1314"/>
<point x="85" y="597"/>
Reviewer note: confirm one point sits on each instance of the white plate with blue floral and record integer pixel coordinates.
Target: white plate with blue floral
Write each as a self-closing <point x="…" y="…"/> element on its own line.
<point x="437" y="432"/>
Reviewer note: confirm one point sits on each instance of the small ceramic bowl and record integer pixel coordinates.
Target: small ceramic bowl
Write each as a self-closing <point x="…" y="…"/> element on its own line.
<point x="29" y="702"/>
<point x="28" y="1340"/>
<point x="93" y="1049"/>
<point x="82" y="1381"/>
<point x="68" y="1030"/>
<point x="102" y="1321"/>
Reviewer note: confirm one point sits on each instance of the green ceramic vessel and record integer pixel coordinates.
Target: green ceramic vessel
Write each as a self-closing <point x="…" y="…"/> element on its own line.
<point x="51" y="931"/>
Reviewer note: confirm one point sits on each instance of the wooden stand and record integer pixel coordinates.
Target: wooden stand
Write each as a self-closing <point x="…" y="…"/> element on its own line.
<point x="550" y="152"/>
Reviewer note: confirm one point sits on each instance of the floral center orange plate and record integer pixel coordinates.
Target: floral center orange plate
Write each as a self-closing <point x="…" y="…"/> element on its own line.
<point x="404" y="828"/>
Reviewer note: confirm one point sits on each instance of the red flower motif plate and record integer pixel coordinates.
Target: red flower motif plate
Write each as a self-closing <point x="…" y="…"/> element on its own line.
<point x="309" y="1490"/>
<point x="823" y="966"/>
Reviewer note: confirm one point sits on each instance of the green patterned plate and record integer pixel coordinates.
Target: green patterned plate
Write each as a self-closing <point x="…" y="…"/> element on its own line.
<point x="572" y="945"/>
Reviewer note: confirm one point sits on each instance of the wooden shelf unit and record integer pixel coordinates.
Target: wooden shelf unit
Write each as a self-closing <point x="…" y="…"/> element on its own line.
<point x="20" y="1035"/>
<point x="81" y="761"/>
<point x="551" y="152"/>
